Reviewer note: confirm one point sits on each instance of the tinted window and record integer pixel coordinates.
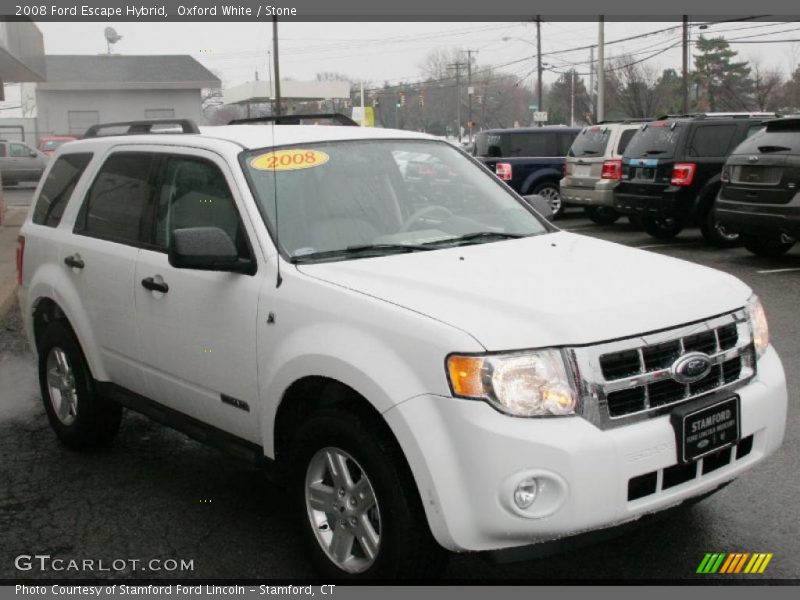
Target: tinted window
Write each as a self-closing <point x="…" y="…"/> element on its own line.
<point x="592" y="141"/>
<point x="711" y="140"/>
<point x="624" y="140"/>
<point x="193" y="193"/>
<point x="20" y="151"/>
<point x="764" y="141"/>
<point x="754" y="129"/>
<point x="119" y="203"/>
<point x="517" y="144"/>
<point x="57" y="188"/>
<point x="656" y="140"/>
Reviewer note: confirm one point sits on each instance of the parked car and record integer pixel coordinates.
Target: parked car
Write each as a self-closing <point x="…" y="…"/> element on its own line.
<point x="593" y="167"/>
<point x="50" y="143"/>
<point x="529" y="159"/>
<point x="20" y="162"/>
<point x="421" y="377"/>
<point x="671" y="172"/>
<point x="759" y="195"/>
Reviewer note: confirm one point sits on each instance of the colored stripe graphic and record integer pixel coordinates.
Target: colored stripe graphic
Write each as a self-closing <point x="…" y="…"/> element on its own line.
<point x="734" y="562"/>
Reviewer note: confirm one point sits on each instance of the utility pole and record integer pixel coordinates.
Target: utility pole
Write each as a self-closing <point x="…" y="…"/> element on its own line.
<point x="601" y="72"/>
<point x="591" y="80"/>
<point x="277" y="104"/>
<point x="457" y="67"/>
<point x="539" y="63"/>
<point x="572" y="101"/>
<point x="685" y="64"/>
<point x="470" y="91"/>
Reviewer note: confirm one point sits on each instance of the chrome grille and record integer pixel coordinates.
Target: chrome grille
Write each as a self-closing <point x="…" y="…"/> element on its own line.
<point x="631" y="379"/>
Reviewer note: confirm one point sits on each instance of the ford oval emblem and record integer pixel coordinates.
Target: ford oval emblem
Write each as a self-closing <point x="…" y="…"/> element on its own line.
<point x="691" y="367"/>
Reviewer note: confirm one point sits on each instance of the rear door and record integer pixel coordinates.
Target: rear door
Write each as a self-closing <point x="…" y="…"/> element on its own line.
<point x="197" y="338"/>
<point x="586" y="156"/>
<point x="649" y="157"/>
<point x="112" y="224"/>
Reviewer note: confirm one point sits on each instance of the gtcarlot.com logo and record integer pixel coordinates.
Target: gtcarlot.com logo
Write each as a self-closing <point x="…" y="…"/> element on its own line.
<point x="45" y="563"/>
<point x="729" y="563"/>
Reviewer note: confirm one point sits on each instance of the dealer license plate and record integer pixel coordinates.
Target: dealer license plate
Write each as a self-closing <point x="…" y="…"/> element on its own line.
<point x="708" y="429"/>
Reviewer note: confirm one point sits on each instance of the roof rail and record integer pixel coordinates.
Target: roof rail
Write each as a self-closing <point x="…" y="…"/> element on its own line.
<point x="337" y="118"/>
<point x="627" y="120"/>
<point x="139" y="127"/>
<point x="721" y="115"/>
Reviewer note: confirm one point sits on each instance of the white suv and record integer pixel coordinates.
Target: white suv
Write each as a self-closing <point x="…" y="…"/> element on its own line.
<point x="426" y="361"/>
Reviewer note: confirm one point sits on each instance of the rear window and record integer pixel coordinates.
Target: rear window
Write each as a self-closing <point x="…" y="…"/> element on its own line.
<point x="57" y="188"/>
<point x="711" y="140"/>
<point x="768" y="141"/>
<point x="518" y="144"/>
<point x="624" y="140"/>
<point x="655" y="140"/>
<point x="592" y="141"/>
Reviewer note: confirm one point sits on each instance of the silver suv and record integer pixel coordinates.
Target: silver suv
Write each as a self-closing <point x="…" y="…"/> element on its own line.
<point x="594" y="166"/>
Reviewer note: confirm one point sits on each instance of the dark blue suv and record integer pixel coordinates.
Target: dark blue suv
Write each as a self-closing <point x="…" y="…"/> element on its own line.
<point x="529" y="159"/>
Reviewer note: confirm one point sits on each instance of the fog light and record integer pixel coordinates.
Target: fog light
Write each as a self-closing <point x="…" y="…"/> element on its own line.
<point x="526" y="492"/>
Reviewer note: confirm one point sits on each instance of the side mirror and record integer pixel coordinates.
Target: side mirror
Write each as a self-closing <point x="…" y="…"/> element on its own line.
<point x="33" y="154"/>
<point x="540" y="205"/>
<point x="205" y="249"/>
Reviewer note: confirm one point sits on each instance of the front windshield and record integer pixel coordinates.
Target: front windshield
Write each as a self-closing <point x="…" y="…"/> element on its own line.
<point x="354" y="199"/>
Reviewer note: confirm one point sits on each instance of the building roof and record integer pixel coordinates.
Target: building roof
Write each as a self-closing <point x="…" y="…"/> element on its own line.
<point x="115" y="72"/>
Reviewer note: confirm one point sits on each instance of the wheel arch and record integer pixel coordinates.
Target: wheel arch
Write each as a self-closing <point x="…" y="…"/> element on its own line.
<point x="541" y="176"/>
<point x="706" y="196"/>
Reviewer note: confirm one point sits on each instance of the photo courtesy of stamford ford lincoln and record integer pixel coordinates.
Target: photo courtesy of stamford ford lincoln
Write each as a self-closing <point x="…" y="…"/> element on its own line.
<point x="292" y="301"/>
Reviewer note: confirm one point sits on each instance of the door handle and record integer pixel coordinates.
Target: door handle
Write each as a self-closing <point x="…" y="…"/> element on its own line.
<point x="74" y="261"/>
<point x="151" y="284"/>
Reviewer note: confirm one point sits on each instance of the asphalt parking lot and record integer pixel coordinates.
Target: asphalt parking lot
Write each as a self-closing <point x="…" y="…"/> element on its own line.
<point x="157" y="494"/>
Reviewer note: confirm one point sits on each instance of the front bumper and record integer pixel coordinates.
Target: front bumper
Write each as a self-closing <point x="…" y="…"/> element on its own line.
<point x="601" y="194"/>
<point x="467" y="459"/>
<point x="760" y="219"/>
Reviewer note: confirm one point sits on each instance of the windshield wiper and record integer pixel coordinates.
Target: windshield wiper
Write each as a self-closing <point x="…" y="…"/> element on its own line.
<point x="359" y="249"/>
<point x="585" y="152"/>
<point x="649" y="152"/>
<point x="766" y="149"/>
<point x="480" y="235"/>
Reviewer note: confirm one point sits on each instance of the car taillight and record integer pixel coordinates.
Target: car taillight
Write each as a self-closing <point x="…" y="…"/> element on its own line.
<point x="612" y="169"/>
<point x="503" y="171"/>
<point x="726" y="174"/>
<point x="566" y="168"/>
<point x="683" y="174"/>
<point x="20" y="256"/>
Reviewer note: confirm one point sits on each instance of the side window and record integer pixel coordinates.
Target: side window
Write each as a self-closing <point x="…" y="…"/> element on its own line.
<point x="564" y="142"/>
<point x="119" y="204"/>
<point x="193" y="193"/>
<point x="754" y="129"/>
<point x="57" y="188"/>
<point x="711" y="140"/>
<point x="532" y="144"/>
<point x="624" y="138"/>
<point x="20" y="151"/>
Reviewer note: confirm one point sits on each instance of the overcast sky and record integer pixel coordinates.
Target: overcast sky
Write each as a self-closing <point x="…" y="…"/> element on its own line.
<point x="376" y="52"/>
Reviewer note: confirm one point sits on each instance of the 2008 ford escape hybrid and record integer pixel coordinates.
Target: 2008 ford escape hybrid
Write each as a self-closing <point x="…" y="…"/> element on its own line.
<point x="428" y="363"/>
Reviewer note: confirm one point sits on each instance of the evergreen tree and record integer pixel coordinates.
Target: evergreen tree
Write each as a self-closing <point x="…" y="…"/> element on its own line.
<point x="723" y="83"/>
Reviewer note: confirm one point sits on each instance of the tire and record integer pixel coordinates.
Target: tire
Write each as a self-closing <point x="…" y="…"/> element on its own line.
<point x="768" y="246"/>
<point x="401" y="543"/>
<point x="602" y="215"/>
<point x="80" y="418"/>
<point x="552" y="193"/>
<point x="663" y="228"/>
<point x="716" y="234"/>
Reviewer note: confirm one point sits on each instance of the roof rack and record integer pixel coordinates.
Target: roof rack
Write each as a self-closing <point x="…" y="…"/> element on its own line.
<point x="627" y="120"/>
<point x="721" y="115"/>
<point x="139" y="127"/>
<point x="337" y="118"/>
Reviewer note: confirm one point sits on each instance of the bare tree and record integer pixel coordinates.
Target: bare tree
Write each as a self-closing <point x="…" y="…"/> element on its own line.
<point x="767" y="86"/>
<point x="634" y="86"/>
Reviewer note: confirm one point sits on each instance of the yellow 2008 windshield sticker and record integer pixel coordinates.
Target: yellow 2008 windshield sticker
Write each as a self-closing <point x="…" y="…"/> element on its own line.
<point x="289" y="160"/>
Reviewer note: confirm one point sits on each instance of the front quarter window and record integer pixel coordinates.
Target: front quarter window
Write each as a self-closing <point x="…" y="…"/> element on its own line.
<point x="355" y="199"/>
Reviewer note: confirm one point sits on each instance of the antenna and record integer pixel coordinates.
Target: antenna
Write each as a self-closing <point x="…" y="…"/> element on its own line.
<point x="112" y="37"/>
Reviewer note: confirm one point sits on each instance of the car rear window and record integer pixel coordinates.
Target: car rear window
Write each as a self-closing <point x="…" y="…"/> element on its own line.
<point x="57" y="188"/>
<point x="592" y="141"/>
<point x="540" y="144"/>
<point x="656" y="140"/>
<point x="777" y="138"/>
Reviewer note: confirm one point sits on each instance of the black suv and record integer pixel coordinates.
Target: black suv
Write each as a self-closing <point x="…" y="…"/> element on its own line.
<point x="760" y="183"/>
<point x="671" y="172"/>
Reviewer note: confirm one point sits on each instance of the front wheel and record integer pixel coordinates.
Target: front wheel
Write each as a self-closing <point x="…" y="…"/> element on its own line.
<point x="80" y="418"/>
<point x="663" y="228"/>
<point x="602" y="215"/>
<point x="552" y="193"/>
<point x="769" y="246"/>
<point x="356" y="502"/>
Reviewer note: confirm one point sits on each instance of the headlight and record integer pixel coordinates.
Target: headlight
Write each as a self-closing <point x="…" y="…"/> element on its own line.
<point x="529" y="384"/>
<point x="758" y="323"/>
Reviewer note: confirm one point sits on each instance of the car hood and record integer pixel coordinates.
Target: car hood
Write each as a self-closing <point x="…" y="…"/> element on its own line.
<point x="547" y="290"/>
